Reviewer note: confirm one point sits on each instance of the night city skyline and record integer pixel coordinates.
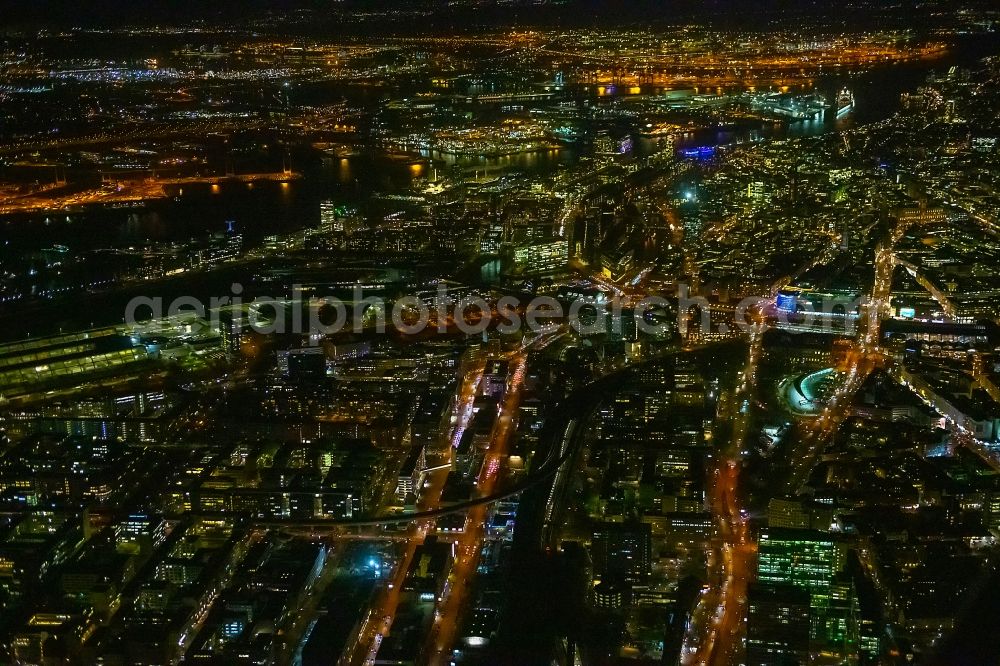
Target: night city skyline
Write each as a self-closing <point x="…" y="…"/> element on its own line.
<point x="500" y="333"/>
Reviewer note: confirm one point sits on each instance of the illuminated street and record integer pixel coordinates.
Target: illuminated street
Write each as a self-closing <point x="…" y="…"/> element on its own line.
<point x="500" y="333"/>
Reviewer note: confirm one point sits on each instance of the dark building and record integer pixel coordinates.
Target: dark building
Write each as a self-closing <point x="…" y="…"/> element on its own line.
<point x="622" y="552"/>
<point x="306" y="364"/>
<point x="777" y="625"/>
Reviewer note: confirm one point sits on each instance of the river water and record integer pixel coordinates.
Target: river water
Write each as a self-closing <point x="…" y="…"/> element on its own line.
<point x="268" y="208"/>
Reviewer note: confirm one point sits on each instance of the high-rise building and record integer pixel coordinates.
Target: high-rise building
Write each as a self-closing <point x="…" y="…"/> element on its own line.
<point x="307" y="364"/>
<point x="842" y="621"/>
<point x="608" y="595"/>
<point x="546" y="257"/>
<point x="231" y="331"/>
<point x="756" y="190"/>
<point x="331" y="223"/>
<point x="327" y="216"/>
<point x="622" y="552"/>
<point x="778" y="622"/>
<point x="814" y="561"/>
<point x="623" y="325"/>
<point x="589" y="233"/>
<point x="492" y="239"/>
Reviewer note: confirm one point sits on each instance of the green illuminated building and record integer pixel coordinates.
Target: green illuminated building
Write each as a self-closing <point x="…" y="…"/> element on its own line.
<point x="814" y="561"/>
